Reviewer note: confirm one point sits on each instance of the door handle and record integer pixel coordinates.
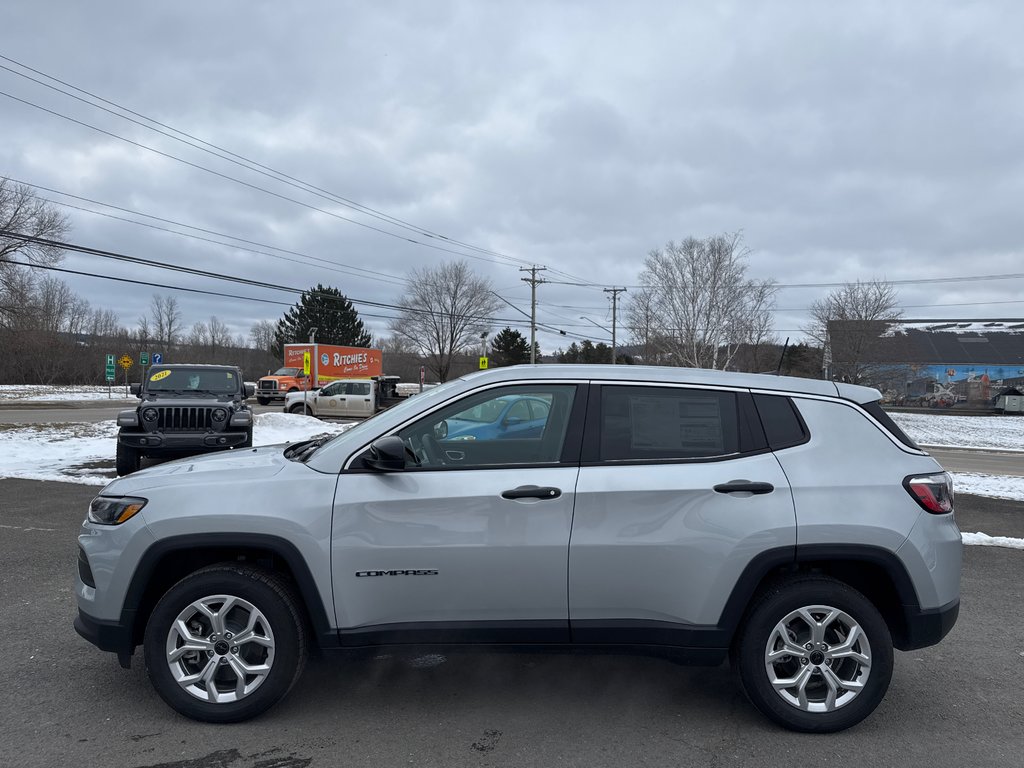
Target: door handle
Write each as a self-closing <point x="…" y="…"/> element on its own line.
<point x="744" y="486"/>
<point x="532" y="492"/>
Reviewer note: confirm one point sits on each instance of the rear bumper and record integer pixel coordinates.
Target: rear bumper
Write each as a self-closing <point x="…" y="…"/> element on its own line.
<point x="926" y="627"/>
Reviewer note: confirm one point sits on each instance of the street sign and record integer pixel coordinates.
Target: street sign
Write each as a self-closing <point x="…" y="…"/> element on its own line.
<point x="110" y="361"/>
<point x="110" y="370"/>
<point x="157" y="358"/>
<point x="305" y="363"/>
<point x="143" y="358"/>
<point x="483" y="363"/>
<point x="125" y="362"/>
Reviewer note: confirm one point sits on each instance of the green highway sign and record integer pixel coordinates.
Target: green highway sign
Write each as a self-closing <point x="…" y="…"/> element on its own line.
<point x="110" y="371"/>
<point x="144" y="358"/>
<point x="110" y="361"/>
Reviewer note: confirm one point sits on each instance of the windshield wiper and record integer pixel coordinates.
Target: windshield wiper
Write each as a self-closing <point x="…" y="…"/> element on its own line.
<point x="302" y="451"/>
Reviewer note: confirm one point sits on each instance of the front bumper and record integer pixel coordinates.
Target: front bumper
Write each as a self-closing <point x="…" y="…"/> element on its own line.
<point x="152" y="442"/>
<point x="112" y="636"/>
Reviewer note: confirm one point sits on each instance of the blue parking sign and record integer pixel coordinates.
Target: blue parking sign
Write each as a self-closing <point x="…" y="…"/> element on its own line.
<point x="157" y="358"/>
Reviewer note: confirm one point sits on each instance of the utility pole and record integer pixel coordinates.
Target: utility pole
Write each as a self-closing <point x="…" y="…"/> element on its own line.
<point x="534" y="281"/>
<point x="615" y="301"/>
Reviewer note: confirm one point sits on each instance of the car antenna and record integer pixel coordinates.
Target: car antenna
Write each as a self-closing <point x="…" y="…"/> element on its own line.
<point x="778" y="371"/>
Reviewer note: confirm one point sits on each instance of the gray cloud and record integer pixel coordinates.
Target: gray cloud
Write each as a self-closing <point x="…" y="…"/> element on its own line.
<point x="855" y="141"/>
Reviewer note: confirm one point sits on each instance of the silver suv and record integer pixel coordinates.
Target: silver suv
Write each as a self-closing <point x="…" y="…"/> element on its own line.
<point x="787" y="524"/>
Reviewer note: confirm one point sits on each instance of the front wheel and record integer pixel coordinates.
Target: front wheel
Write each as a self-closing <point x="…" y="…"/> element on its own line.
<point x="814" y="655"/>
<point x="126" y="460"/>
<point x="225" y="643"/>
<point x="262" y="400"/>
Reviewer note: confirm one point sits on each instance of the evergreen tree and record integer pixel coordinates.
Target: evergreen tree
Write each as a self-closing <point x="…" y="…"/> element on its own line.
<point x="327" y="310"/>
<point x="509" y="348"/>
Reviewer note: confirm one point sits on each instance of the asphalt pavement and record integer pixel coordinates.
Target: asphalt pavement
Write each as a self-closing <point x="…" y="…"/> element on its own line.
<point x="64" y="703"/>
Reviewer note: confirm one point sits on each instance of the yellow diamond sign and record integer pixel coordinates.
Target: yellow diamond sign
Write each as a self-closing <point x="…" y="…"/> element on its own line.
<point x="125" y="361"/>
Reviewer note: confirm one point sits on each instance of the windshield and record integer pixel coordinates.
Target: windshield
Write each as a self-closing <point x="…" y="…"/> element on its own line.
<point x="192" y="380"/>
<point x="286" y="372"/>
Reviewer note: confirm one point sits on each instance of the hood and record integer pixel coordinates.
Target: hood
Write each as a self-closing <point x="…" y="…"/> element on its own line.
<point x="239" y="465"/>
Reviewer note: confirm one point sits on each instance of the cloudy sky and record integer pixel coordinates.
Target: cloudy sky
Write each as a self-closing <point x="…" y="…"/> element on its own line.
<point x="846" y="141"/>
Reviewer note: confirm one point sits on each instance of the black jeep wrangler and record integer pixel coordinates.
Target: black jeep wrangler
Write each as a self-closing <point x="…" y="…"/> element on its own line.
<point x="185" y="410"/>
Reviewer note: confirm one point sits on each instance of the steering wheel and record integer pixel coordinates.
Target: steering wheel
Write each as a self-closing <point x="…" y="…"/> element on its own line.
<point x="432" y="449"/>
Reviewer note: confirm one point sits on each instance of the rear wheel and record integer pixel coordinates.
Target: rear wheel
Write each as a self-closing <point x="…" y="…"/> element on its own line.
<point x="225" y="643"/>
<point x="262" y="400"/>
<point x="126" y="460"/>
<point x="814" y="655"/>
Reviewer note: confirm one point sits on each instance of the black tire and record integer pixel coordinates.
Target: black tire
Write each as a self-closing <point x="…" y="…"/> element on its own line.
<point x="780" y="601"/>
<point x="262" y="400"/>
<point x="280" y="620"/>
<point x="300" y="408"/>
<point x="126" y="460"/>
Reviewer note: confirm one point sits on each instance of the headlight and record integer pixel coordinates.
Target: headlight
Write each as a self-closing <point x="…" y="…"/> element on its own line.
<point x="149" y="414"/>
<point x="219" y="414"/>
<point x="105" y="510"/>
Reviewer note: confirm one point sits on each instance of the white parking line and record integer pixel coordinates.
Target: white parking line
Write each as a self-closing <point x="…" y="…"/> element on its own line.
<point x="23" y="528"/>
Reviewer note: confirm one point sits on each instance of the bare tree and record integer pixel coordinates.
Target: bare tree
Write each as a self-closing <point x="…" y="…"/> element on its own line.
<point x="262" y="337"/>
<point x="444" y="314"/>
<point x="848" y="324"/>
<point x="167" y="327"/>
<point x="697" y="303"/>
<point x="25" y="214"/>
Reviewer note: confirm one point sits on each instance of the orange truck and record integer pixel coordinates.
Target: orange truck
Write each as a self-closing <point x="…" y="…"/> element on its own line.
<point x="327" y="363"/>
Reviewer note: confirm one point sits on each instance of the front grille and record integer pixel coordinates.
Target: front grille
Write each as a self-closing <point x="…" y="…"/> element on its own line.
<point x="184" y="419"/>
<point x="267" y="386"/>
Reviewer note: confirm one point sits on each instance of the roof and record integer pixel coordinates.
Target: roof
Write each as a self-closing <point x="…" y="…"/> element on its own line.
<point x="657" y="374"/>
<point x="934" y="343"/>
<point x="191" y="366"/>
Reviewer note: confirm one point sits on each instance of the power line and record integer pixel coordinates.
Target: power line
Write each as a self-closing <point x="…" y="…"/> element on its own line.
<point x="239" y="160"/>
<point x="139" y="261"/>
<point x="338" y="266"/>
<point x="249" y="184"/>
<point x="247" y="163"/>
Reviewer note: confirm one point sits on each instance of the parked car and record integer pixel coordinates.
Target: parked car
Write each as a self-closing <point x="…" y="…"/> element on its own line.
<point x="516" y="416"/>
<point x="184" y="410"/>
<point x="785" y="524"/>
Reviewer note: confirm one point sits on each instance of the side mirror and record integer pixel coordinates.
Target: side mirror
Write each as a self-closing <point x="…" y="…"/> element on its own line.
<point x="387" y="454"/>
<point x="441" y="430"/>
<point x="511" y="421"/>
<point x="250" y="390"/>
<point x="136" y="389"/>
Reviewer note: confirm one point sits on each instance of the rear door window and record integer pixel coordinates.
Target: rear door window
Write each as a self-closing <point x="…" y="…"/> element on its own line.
<point x="665" y="423"/>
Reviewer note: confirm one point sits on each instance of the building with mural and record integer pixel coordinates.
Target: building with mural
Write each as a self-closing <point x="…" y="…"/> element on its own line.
<point x="949" y="362"/>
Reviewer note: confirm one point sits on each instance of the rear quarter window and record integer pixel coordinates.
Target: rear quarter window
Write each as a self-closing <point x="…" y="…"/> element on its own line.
<point x="883" y="418"/>
<point x="782" y="423"/>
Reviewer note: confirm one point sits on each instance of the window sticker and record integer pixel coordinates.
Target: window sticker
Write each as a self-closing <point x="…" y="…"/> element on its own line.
<point x="159" y="375"/>
<point x="230" y="376"/>
<point x="694" y="425"/>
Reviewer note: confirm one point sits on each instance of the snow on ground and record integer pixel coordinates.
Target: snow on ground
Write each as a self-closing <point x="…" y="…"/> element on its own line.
<point x="26" y="393"/>
<point x="984" y="540"/>
<point x="993" y="486"/>
<point x="84" y="453"/>
<point x="1002" y="432"/>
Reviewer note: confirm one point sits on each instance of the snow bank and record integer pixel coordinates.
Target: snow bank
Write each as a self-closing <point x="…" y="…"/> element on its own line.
<point x="84" y="453"/>
<point x="984" y="540"/>
<point x="25" y="393"/>
<point x="987" y="432"/>
<point x="993" y="486"/>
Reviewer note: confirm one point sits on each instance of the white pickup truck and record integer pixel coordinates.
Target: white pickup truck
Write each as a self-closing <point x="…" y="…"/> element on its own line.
<point x="346" y="398"/>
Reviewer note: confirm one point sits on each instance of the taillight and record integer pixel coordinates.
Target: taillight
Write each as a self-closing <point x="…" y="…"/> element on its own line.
<point x="933" y="492"/>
